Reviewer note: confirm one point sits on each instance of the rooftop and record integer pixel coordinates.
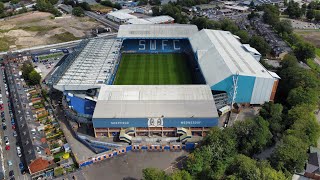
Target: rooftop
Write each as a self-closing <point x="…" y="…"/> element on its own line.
<point x="160" y="19"/>
<point x="138" y="21"/>
<point x="122" y="15"/>
<point x="157" y="31"/>
<point x="38" y="165"/>
<point x="222" y="51"/>
<point x="142" y="101"/>
<point x="92" y="67"/>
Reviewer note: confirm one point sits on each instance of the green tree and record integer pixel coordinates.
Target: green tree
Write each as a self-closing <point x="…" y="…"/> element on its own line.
<point x="34" y="78"/>
<point x="106" y="3"/>
<point x="310" y="14"/>
<point x="244" y="167"/>
<point x="304" y="51"/>
<point x="78" y="11"/>
<point x="244" y="36"/>
<point x="260" y="44"/>
<point x="252" y="135"/>
<point x="273" y="114"/>
<point x="302" y="95"/>
<point x="117" y="6"/>
<point x="85" y="6"/>
<point x="290" y="155"/>
<point x="289" y="60"/>
<point x="268" y="173"/>
<point x="284" y="27"/>
<point x="143" y="2"/>
<point x="15" y="1"/>
<point x="180" y="175"/>
<point x="155" y="2"/>
<point x="27" y="68"/>
<point x="154" y="174"/>
<point x="1" y="7"/>
<point x="294" y="10"/>
<point x="155" y="10"/>
<point x="317" y="16"/>
<point x="271" y="14"/>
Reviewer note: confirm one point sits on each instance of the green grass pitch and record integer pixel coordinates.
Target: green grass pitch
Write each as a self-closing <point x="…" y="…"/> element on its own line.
<point x="153" y="69"/>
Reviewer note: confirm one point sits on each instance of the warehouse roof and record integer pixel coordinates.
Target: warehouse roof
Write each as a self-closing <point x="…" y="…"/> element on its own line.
<point x="140" y="101"/>
<point x="160" y="19"/>
<point x="92" y="67"/>
<point x="221" y="55"/>
<point x="138" y="21"/>
<point x="122" y="15"/>
<point x="157" y="31"/>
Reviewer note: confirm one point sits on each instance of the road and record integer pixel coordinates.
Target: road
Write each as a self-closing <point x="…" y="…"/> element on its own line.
<point x="102" y="19"/>
<point x="12" y="153"/>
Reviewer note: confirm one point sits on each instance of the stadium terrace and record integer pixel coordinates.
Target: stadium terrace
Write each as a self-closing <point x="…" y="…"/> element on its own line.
<point x="165" y="81"/>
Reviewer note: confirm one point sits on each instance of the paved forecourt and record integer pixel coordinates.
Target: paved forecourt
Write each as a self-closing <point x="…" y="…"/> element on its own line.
<point x="153" y="69"/>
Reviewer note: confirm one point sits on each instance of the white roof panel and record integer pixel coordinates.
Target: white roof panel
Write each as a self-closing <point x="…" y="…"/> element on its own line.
<point x="160" y="19"/>
<point x="222" y="55"/>
<point x="137" y="101"/>
<point x="138" y="21"/>
<point x="157" y="31"/>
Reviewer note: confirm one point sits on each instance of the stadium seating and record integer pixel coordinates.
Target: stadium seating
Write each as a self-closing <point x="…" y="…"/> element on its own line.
<point x="81" y="106"/>
<point x="155" y="46"/>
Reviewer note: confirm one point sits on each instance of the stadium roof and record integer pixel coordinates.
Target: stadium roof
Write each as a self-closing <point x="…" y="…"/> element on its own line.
<point x="157" y="31"/>
<point x="92" y="67"/>
<point x="221" y="55"/>
<point x="141" y="101"/>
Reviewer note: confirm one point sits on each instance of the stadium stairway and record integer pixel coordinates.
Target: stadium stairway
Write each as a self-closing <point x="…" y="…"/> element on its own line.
<point x="124" y="134"/>
<point x="186" y="133"/>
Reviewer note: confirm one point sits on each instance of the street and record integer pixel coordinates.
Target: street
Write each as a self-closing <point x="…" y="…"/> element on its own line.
<point x="12" y="153"/>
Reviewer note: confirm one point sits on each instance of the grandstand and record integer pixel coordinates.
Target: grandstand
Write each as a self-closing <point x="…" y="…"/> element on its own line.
<point x="160" y="81"/>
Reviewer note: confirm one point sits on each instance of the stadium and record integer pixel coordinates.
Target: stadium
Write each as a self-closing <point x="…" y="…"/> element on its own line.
<point x="160" y="81"/>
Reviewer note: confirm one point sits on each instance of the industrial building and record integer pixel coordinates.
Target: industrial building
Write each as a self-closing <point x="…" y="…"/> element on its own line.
<point x="223" y="67"/>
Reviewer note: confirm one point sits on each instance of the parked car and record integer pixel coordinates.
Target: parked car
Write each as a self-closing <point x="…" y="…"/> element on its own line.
<point x="13" y="126"/>
<point x="11" y="173"/>
<point x="7" y="147"/>
<point x="38" y="150"/>
<point x="4" y="126"/>
<point x="15" y="133"/>
<point x="19" y="151"/>
<point x="6" y="140"/>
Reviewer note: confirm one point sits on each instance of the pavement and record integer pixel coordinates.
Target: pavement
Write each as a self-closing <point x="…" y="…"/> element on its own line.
<point x="131" y="164"/>
<point x="12" y="153"/>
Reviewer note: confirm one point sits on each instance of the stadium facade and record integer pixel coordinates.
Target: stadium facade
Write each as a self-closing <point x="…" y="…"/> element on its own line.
<point x="220" y="64"/>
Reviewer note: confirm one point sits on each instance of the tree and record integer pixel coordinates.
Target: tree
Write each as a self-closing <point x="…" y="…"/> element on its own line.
<point x="155" y="10"/>
<point x="117" y="6"/>
<point x="284" y="27"/>
<point x="143" y="2"/>
<point x="290" y="155"/>
<point x="260" y="44"/>
<point x="85" y="6"/>
<point x="317" y="16"/>
<point x="1" y="7"/>
<point x="15" y="1"/>
<point x="180" y="175"/>
<point x="310" y="14"/>
<point x="302" y="95"/>
<point x="154" y="174"/>
<point x="268" y="173"/>
<point x="289" y="60"/>
<point x="304" y="51"/>
<point x="244" y="36"/>
<point x="244" y="167"/>
<point x="155" y="2"/>
<point x="27" y="68"/>
<point x="78" y="11"/>
<point x="106" y="3"/>
<point x="199" y="162"/>
<point x="34" y="78"/>
<point x="303" y="9"/>
<point x="294" y="10"/>
<point x="252" y="135"/>
<point x="273" y="114"/>
<point x="271" y="15"/>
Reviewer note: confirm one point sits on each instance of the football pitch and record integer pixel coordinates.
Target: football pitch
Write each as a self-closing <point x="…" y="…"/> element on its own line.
<point x="153" y="69"/>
